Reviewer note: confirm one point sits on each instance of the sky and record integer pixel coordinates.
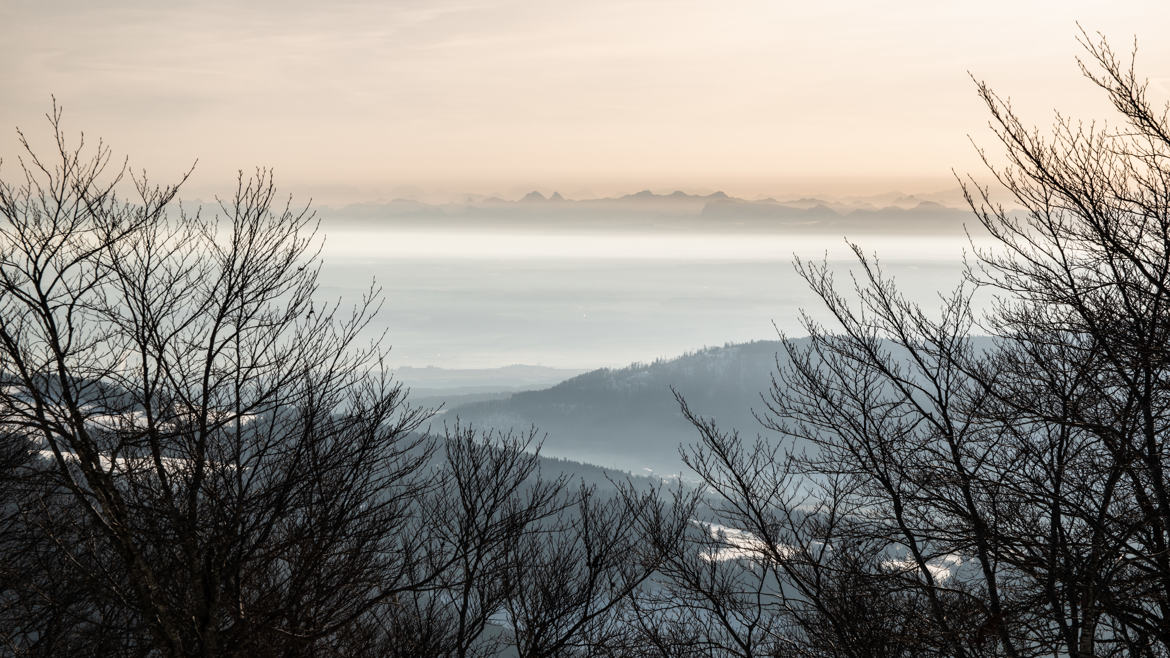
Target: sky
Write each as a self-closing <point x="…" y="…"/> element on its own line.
<point x="370" y="100"/>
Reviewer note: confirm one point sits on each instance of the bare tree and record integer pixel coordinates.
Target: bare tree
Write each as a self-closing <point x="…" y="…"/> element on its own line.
<point x="1012" y="489"/>
<point x="574" y="580"/>
<point x="226" y="462"/>
<point x="492" y="498"/>
<point x="1085" y="330"/>
<point x="202" y="458"/>
<point x="788" y="564"/>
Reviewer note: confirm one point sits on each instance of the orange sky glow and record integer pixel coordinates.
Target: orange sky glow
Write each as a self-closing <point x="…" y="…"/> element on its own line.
<point x="369" y="100"/>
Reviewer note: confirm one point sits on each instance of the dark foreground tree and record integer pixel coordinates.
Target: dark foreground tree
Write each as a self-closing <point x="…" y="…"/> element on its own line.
<point x="198" y="457"/>
<point x="219" y="459"/>
<point x="1009" y="493"/>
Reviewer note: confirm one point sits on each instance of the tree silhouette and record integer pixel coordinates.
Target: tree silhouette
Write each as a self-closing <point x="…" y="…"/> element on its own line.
<point x="1010" y="490"/>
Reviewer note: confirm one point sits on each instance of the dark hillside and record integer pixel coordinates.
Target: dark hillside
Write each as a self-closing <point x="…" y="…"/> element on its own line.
<point x="628" y="418"/>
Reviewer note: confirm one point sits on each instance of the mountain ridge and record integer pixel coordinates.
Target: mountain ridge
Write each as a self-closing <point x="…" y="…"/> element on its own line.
<point x="674" y="211"/>
<point x="628" y="418"/>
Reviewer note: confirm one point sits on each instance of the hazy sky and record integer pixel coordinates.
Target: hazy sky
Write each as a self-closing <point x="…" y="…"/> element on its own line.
<point x="374" y="99"/>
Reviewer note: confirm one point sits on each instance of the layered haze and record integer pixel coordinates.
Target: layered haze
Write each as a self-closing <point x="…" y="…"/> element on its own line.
<point x="581" y="284"/>
<point x="541" y="189"/>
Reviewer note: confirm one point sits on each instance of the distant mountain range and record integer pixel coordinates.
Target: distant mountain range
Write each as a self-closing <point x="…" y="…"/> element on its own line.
<point x="627" y="418"/>
<point x="676" y="211"/>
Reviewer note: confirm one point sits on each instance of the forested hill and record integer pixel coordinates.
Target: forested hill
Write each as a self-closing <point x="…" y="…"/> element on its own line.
<point x="628" y="418"/>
